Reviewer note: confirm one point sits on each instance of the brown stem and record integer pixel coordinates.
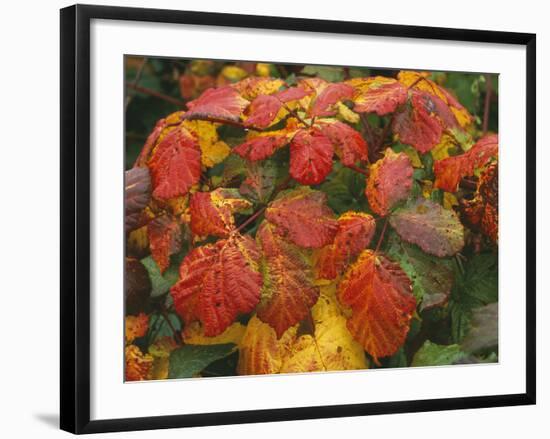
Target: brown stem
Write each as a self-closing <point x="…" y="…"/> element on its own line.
<point x="155" y="94"/>
<point x="357" y="169"/>
<point x="251" y="219"/>
<point x="487" y="103"/>
<point x="381" y="238"/>
<point x="295" y="114"/>
<point x="136" y="81"/>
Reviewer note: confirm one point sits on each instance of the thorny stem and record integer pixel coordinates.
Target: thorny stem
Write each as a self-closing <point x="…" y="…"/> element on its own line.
<point x="155" y="94"/>
<point x="381" y="238"/>
<point x="295" y="114"/>
<point x="487" y="103"/>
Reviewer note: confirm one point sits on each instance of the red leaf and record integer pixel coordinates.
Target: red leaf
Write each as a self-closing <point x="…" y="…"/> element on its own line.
<point x="212" y="212"/>
<point x="292" y="94"/>
<point x="310" y="157"/>
<point x="263" y="111"/>
<point x="261" y="147"/>
<point x="222" y="103"/>
<point x="390" y="181"/>
<point x="416" y="125"/>
<point x="378" y="95"/>
<point x="355" y="232"/>
<point x="289" y="292"/>
<point x="164" y="239"/>
<point x="218" y="282"/>
<point x="380" y="296"/>
<point x="348" y="143"/>
<point x="302" y="216"/>
<point x="330" y="95"/>
<point x="175" y="165"/>
<point x="449" y="171"/>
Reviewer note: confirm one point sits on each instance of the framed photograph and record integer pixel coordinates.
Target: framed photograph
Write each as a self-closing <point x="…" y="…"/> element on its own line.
<point x="254" y="232"/>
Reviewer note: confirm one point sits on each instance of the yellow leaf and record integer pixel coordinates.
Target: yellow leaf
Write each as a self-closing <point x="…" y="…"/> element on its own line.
<point x="345" y="113"/>
<point x="449" y="200"/>
<point x="441" y="150"/>
<point x="160" y="351"/>
<point x="413" y="156"/>
<point x="138" y="241"/>
<point x="213" y="150"/>
<point x="138" y="365"/>
<point x="234" y="73"/>
<point x="262" y="69"/>
<point x="194" y="334"/>
<point x="331" y="347"/>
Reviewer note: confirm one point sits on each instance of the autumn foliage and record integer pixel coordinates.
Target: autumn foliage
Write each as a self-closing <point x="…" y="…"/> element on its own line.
<point x="296" y="222"/>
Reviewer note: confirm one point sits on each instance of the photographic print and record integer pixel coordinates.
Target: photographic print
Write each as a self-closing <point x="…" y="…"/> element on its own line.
<point x="287" y="218"/>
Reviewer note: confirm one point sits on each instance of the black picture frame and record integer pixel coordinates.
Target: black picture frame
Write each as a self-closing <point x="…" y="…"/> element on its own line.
<point x="75" y="217"/>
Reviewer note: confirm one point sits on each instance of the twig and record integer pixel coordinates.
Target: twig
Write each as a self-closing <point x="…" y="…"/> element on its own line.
<point x="251" y="219"/>
<point x="381" y="238"/>
<point x="155" y="94"/>
<point x="177" y="335"/>
<point x="487" y="103"/>
<point x="357" y="169"/>
<point x="136" y="81"/>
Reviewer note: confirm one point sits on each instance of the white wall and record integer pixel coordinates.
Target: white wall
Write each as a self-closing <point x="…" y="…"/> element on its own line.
<point x="29" y="246"/>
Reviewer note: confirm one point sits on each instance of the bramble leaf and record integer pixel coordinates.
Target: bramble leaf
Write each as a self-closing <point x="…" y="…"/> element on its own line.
<point x="175" y="165"/>
<point x="212" y="212"/>
<point x="164" y="234"/>
<point x="288" y="291"/>
<point x="260" y="181"/>
<point x="213" y="150"/>
<point x="355" y="232"/>
<point x="449" y="171"/>
<point x="223" y="103"/>
<point x="189" y="360"/>
<point x="324" y="104"/>
<point x="310" y="157"/>
<point x="389" y="182"/>
<point x="380" y="296"/>
<point x="378" y="95"/>
<point x="431" y="354"/>
<point x="416" y="124"/>
<point x="347" y="142"/>
<point x="218" y="282"/>
<point x="263" y="111"/>
<point x="435" y="230"/>
<point x="483" y="332"/>
<point x="303" y="217"/>
<point x="137" y="194"/>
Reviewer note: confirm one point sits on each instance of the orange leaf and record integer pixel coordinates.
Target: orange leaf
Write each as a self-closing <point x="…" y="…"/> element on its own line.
<point x="261" y="147"/>
<point x="449" y="171"/>
<point x="331" y="94"/>
<point x="355" y="232"/>
<point x="222" y="103"/>
<point x="482" y="211"/>
<point x="348" y="143"/>
<point x="288" y="291"/>
<point x="378" y="95"/>
<point x="138" y="365"/>
<point x="380" y="296"/>
<point x="212" y="212"/>
<point x="175" y="165"/>
<point x="164" y="234"/>
<point x="390" y="181"/>
<point x="310" y="157"/>
<point x="302" y="216"/>
<point x="135" y="327"/>
<point x="417" y="125"/>
<point x="218" y="282"/>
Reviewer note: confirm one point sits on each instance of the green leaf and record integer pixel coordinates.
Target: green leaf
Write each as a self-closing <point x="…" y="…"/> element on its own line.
<point x="159" y="327"/>
<point x="431" y="354"/>
<point x="189" y="360"/>
<point x="345" y="190"/>
<point x="161" y="282"/>
<point x="331" y="74"/>
<point x="483" y="333"/>
<point x="481" y="278"/>
<point x="260" y="181"/>
<point x="432" y="277"/>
